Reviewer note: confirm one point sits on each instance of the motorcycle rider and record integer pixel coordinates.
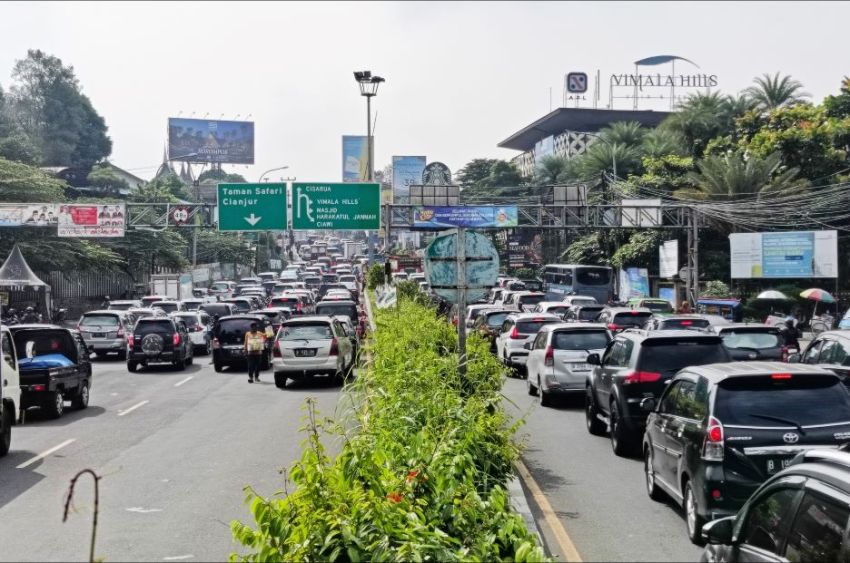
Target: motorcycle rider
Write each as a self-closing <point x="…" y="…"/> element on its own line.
<point x="30" y="316"/>
<point x="791" y="334"/>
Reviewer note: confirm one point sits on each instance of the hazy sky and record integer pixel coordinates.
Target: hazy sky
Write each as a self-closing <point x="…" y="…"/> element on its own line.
<point x="461" y="77"/>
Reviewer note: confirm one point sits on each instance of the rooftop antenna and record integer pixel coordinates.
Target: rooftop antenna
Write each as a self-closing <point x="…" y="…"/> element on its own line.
<point x="205" y="115"/>
<point x="249" y="115"/>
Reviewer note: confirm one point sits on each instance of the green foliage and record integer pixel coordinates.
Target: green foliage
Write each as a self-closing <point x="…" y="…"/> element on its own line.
<point x="552" y="169"/>
<point x="703" y="117"/>
<point x="147" y="250"/>
<point x="474" y="172"/>
<point x="20" y="183"/>
<point x="214" y="246"/>
<point x="375" y="276"/>
<point x="20" y="148"/>
<point x="588" y="250"/>
<point x="525" y="273"/>
<point x="715" y="288"/>
<point x="221" y="176"/>
<point x="422" y="468"/>
<point x="771" y="92"/>
<point x="641" y="249"/>
<point x="839" y="106"/>
<point x="103" y="176"/>
<point x="409" y="290"/>
<point x="166" y="189"/>
<point x="47" y="103"/>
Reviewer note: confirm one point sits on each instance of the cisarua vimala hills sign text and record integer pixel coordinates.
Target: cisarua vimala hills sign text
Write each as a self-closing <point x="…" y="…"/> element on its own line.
<point x="336" y="206"/>
<point x="252" y="207"/>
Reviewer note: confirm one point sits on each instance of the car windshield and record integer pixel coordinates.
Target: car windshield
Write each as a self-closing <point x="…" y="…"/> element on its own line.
<point x="220" y="286"/>
<point x="684" y="324"/>
<point x="632" y="319"/>
<point x="497" y="319"/>
<point x="658" y="307"/>
<point x="532" y="327"/>
<point x="192" y="305"/>
<point x="347" y="279"/>
<point x="751" y="339"/>
<point x="593" y="276"/>
<point x="99" y="320"/>
<point x="580" y="340"/>
<point x="167" y="307"/>
<point x="315" y="331"/>
<point x="668" y="356"/>
<point x="588" y="314"/>
<point x="531" y="299"/>
<point x="748" y="400"/>
<point x="191" y="321"/>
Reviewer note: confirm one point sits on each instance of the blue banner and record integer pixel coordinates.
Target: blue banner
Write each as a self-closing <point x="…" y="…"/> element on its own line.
<point x="202" y="140"/>
<point x="788" y="255"/>
<point x="355" y="158"/>
<point x="465" y="216"/>
<point x="407" y="171"/>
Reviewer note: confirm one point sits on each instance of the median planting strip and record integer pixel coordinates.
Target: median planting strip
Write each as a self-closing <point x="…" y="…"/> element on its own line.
<point x="423" y="466"/>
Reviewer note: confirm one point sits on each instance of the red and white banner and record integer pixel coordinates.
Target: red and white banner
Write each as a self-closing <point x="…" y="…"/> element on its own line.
<point x="92" y="220"/>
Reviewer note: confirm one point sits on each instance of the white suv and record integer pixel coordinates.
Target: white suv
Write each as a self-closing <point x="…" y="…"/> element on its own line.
<point x="518" y="329"/>
<point x="314" y="345"/>
<point x="10" y="392"/>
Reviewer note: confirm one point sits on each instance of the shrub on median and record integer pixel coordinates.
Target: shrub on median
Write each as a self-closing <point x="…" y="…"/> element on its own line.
<point x="422" y="467"/>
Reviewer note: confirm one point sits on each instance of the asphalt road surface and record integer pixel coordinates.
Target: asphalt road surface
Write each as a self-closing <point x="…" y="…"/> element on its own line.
<point x="174" y="449"/>
<point x="599" y="498"/>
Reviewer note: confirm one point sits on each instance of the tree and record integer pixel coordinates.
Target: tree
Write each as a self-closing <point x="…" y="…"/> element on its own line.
<point x="733" y="177"/>
<point x="222" y="176"/>
<point x="20" y="183"/>
<point x="641" y="249"/>
<point x="628" y="133"/>
<point x="839" y="106"/>
<point x="588" y="250"/>
<point x="600" y="157"/>
<point x="503" y="174"/>
<point x="552" y="169"/>
<point x="703" y="117"/>
<point x="166" y="189"/>
<point x="662" y="142"/>
<point x="474" y="171"/>
<point x="104" y="177"/>
<point x="770" y="92"/>
<point x="47" y="103"/>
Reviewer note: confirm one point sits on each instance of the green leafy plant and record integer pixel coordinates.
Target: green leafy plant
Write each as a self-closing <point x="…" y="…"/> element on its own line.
<point x="375" y="276"/>
<point x="422" y="468"/>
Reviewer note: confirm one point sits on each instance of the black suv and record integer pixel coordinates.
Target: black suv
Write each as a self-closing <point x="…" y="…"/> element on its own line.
<point x="159" y="340"/>
<point x="228" y="335"/>
<point x="720" y="431"/>
<point x="638" y="364"/>
<point x="799" y="514"/>
<point x="620" y="318"/>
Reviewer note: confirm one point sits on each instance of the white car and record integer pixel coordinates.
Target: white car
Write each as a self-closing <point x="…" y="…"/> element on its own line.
<point x="557" y="358"/>
<point x="198" y="323"/>
<point x="579" y="300"/>
<point x="222" y="289"/>
<point x="526" y="301"/>
<point x="472" y="312"/>
<point x="289" y="275"/>
<point x="308" y="346"/>
<point x="553" y="307"/>
<point x="10" y="393"/>
<point x="518" y="329"/>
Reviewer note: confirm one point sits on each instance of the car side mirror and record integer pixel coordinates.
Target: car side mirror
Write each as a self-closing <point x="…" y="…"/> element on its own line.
<point x="593" y="359"/>
<point x="647" y="405"/>
<point x="794" y="359"/>
<point x="719" y="532"/>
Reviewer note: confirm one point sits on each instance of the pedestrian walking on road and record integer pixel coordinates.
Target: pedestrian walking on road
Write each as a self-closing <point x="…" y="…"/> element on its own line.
<point x="255" y="344"/>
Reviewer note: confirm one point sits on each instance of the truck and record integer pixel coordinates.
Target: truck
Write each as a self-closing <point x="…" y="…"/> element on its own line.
<point x="54" y="367"/>
<point x="174" y="286"/>
<point x="10" y="391"/>
<point x="351" y="248"/>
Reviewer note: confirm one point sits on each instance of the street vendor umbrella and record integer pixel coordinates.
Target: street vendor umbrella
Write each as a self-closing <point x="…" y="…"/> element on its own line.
<point x="772" y="294"/>
<point x="818" y="296"/>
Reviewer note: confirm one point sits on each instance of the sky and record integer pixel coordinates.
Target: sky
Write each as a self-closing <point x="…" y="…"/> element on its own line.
<point x="460" y="76"/>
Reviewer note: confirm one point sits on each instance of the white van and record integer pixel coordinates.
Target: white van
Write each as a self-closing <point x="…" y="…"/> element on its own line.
<point x="10" y="391"/>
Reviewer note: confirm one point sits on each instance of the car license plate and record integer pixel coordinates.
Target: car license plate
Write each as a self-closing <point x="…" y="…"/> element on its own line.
<point x="578" y="366"/>
<point x="774" y="465"/>
<point x="98" y="335"/>
<point x="305" y="352"/>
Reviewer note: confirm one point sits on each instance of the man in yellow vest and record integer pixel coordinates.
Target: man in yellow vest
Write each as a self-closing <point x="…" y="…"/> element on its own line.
<point x="255" y="345"/>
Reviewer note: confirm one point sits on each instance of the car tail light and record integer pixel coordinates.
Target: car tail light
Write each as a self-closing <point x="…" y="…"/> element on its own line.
<point x="686" y="323"/>
<point x="780" y="376"/>
<point x="176" y="339"/>
<point x="38" y="387"/>
<point x="216" y="344"/>
<point x="641" y="377"/>
<point x="120" y="333"/>
<point x="612" y="326"/>
<point x="298" y="306"/>
<point x="276" y="350"/>
<point x="130" y="340"/>
<point x="515" y="334"/>
<point x="712" y="447"/>
<point x="334" y="348"/>
<point x="549" y="358"/>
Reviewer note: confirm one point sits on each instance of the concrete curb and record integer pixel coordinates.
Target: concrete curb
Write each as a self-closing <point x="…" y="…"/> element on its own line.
<point x="519" y="502"/>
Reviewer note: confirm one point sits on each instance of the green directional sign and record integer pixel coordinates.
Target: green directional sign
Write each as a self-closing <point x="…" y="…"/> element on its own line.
<point x="336" y="207"/>
<point x="252" y="207"/>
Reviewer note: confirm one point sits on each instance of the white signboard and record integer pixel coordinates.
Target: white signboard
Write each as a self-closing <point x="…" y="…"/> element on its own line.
<point x="668" y="259"/>
<point x="641" y="213"/>
<point x="91" y="220"/>
<point x="789" y="254"/>
<point x="28" y="215"/>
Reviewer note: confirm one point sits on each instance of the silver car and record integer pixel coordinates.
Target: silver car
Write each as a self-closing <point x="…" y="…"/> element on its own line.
<point x="311" y="345"/>
<point x="557" y="358"/>
<point x="518" y="329"/>
<point x="198" y="324"/>
<point x="105" y="332"/>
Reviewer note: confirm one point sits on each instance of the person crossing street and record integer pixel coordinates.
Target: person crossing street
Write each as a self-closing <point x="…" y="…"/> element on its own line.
<point x="255" y="344"/>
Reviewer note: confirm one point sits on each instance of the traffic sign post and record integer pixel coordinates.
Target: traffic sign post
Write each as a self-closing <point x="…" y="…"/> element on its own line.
<point x="252" y="207"/>
<point x="332" y="206"/>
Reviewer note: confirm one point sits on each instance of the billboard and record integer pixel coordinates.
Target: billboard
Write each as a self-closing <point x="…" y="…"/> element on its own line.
<point x="407" y="170"/>
<point x="28" y="215"/>
<point x="91" y="220"/>
<point x="465" y="216"/>
<point x="203" y="140"/>
<point x="634" y="282"/>
<point x="792" y="254"/>
<point x="355" y="158"/>
<point x="668" y="259"/>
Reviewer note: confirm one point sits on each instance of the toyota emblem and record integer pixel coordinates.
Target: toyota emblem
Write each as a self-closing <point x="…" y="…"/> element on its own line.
<point x="790" y="438"/>
<point x="752" y="355"/>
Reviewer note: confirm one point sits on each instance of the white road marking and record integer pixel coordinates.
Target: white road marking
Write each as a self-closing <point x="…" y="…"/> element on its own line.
<point x="141" y="510"/>
<point x="177" y="557"/>
<point x="134" y="407"/>
<point x="45" y="454"/>
<point x="179" y="383"/>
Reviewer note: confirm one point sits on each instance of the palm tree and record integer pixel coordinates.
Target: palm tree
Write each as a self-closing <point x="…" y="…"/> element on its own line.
<point x="600" y="157"/>
<point x="732" y="177"/>
<point x="703" y="117"/>
<point x="771" y="92"/>
<point x="551" y="170"/>
<point x="661" y="142"/>
<point x="628" y="133"/>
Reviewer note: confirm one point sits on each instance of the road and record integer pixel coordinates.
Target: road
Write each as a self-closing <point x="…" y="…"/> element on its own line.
<point x="600" y="499"/>
<point x="175" y="450"/>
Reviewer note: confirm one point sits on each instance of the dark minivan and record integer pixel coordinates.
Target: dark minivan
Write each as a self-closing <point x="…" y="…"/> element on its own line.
<point x="720" y="431"/>
<point x="229" y="340"/>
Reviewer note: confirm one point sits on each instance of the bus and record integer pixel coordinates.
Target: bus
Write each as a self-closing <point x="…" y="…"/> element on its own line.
<point x="560" y="280"/>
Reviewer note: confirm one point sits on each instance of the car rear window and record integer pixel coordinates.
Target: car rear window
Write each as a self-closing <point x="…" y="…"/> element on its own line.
<point x="241" y="306"/>
<point x="191" y="321"/>
<point x="99" y="320"/>
<point x="588" y="314"/>
<point x="347" y="279"/>
<point x="531" y="299"/>
<point x="233" y="330"/>
<point x="757" y="340"/>
<point x="154" y="325"/>
<point x="332" y="278"/>
<point x="580" y="339"/>
<point x="580" y="302"/>
<point x="284" y="301"/>
<point x="657" y="307"/>
<point x="312" y="331"/>
<point x="334" y="309"/>
<point x="670" y="356"/>
<point x="220" y="310"/>
<point x="747" y="400"/>
<point x="121" y="306"/>
<point x="220" y="286"/>
<point x="673" y="324"/>
<point x="167" y="307"/>
<point x="634" y="318"/>
<point x="557" y="310"/>
<point x="532" y="327"/>
<point x="497" y="319"/>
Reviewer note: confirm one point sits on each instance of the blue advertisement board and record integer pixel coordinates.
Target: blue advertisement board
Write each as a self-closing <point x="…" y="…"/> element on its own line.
<point x="355" y="158"/>
<point x="407" y="170"/>
<point x="788" y="255"/>
<point x="210" y="140"/>
<point x="426" y="217"/>
<point x="634" y="282"/>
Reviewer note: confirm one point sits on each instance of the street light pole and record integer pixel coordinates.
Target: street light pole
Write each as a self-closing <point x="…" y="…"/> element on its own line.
<point x="263" y="175"/>
<point x="369" y="88"/>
